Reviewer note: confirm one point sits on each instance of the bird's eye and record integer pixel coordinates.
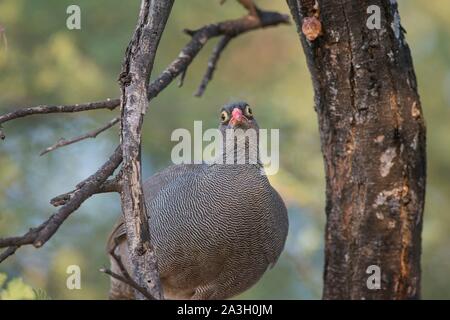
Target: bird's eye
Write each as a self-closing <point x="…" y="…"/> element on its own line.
<point x="224" y="116"/>
<point x="248" y="111"/>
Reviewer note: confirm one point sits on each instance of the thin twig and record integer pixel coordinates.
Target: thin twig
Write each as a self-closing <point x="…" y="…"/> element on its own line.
<point x="112" y="185"/>
<point x="92" y="134"/>
<point x="179" y="65"/>
<point x="136" y="70"/>
<point x="129" y="282"/>
<point x="182" y="77"/>
<point x="119" y="262"/>
<point x="249" y="6"/>
<point x="212" y="64"/>
<point x="97" y="182"/>
<point x="122" y="268"/>
<point x="126" y="277"/>
<point x="8" y="252"/>
<point x="45" y="109"/>
<point x="38" y="236"/>
<point x="201" y="36"/>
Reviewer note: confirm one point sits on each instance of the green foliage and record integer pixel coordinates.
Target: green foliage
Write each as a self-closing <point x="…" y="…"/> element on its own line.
<point x="16" y="289"/>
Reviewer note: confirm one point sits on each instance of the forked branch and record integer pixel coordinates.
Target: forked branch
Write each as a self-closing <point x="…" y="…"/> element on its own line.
<point x="127" y="182"/>
<point x="230" y="28"/>
<point x="38" y="236"/>
<point x="91" y="134"/>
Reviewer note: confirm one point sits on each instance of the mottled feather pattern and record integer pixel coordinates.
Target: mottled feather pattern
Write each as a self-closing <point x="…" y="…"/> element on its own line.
<point x="216" y="229"/>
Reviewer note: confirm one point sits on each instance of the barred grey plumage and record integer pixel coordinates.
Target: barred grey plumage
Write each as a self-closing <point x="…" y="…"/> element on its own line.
<point x="216" y="228"/>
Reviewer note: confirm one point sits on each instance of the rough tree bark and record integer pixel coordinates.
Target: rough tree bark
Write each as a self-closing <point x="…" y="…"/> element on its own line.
<point x="373" y="141"/>
<point x="134" y="80"/>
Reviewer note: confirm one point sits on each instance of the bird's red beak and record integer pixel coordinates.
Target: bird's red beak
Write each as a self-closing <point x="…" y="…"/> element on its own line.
<point x="237" y="118"/>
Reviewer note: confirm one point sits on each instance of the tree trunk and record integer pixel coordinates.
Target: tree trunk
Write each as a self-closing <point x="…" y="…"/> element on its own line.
<point x="373" y="141"/>
<point x="134" y="79"/>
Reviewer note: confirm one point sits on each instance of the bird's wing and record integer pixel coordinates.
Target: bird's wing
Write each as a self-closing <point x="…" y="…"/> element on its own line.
<point x="152" y="186"/>
<point x="279" y="225"/>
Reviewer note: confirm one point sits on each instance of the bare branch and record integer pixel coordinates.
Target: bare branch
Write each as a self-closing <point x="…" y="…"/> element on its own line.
<point x="136" y="70"/>
<point x="179" y="65"/>
<point x="45" y="109"/>
<point x="118" y="260"/>
<point x="92" y="134"/>
<point x="97" y="183"/>
<point x="8" y="252"/>
<point x="212" y="63"/>
<point x="39" y="236"/>
<point x="182" y="77"/>
<point x="129" y="281"/>
<point x="200" y="37"/>
<point x="249" y="6"/>
<point x="112" y="185"/>
<point x="126" y="277"/>
<point x="27" y="238"/>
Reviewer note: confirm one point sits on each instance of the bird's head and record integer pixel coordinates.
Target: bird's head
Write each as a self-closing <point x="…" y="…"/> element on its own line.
<point x="237" y="115"/>
<point x="240" y="133"/>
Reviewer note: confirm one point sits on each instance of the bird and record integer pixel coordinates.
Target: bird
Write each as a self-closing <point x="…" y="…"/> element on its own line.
<point x="216" y="227"/>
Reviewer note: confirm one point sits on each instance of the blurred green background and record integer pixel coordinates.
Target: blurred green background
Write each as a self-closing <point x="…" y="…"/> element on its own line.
<point x="45" y="63"/>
